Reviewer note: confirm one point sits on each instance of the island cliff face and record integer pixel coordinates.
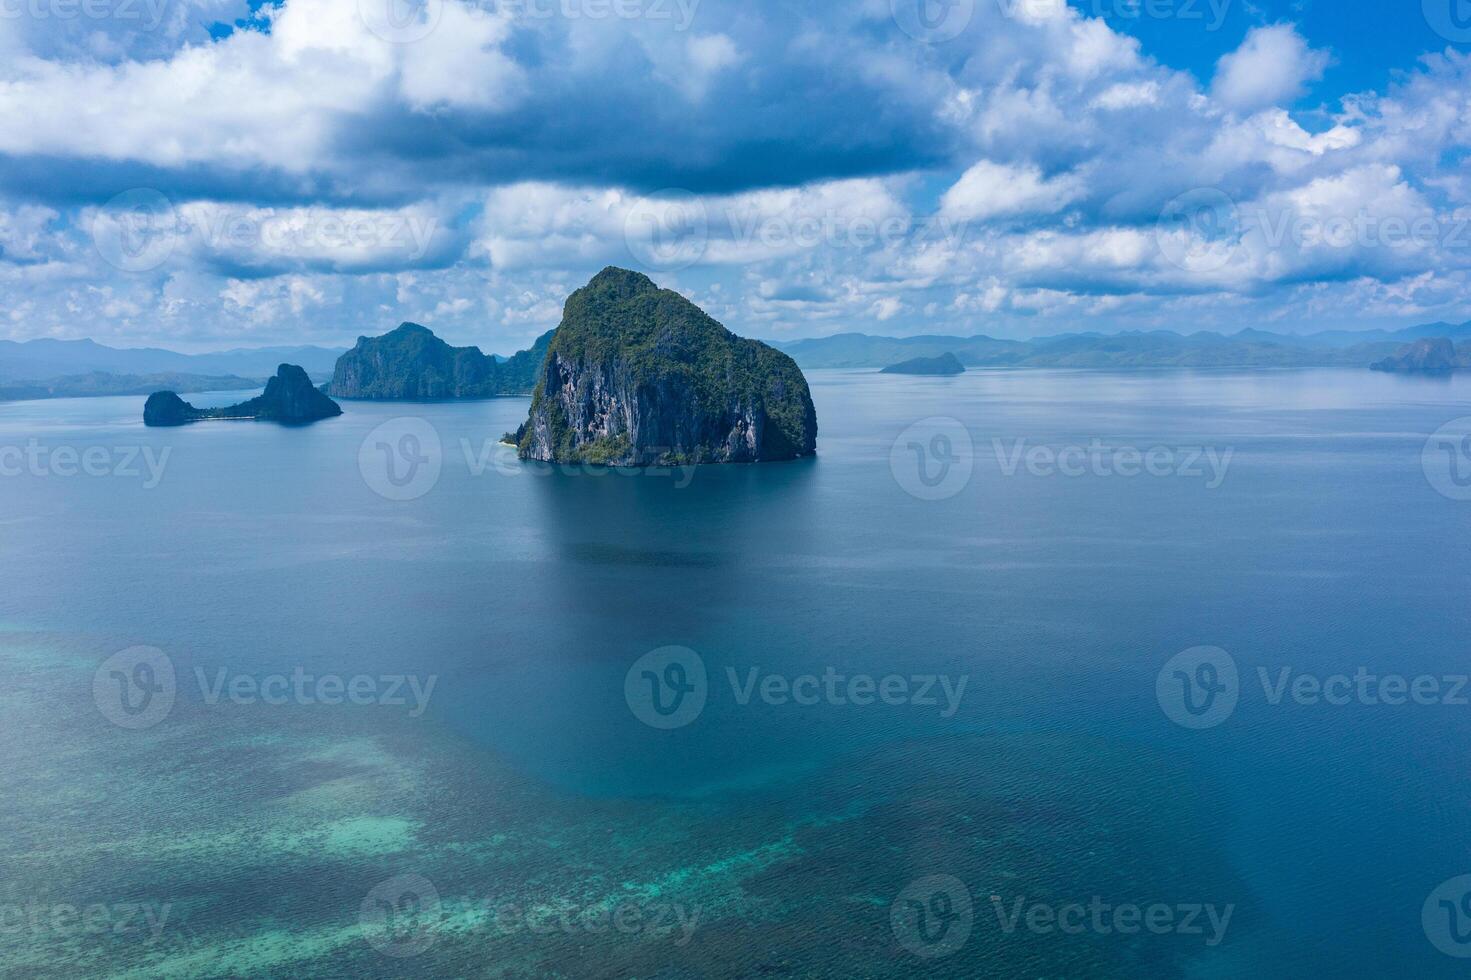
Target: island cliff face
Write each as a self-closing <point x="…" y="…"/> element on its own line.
<point x="1433" y="355"/>
<point x="290" y="397"/>
<point x="411" y="364"/>
<point x="639" y="376"/>
<point x="945" y="364"/>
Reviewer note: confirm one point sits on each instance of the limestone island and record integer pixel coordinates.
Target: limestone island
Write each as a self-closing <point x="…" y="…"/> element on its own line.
<point x="945" y="364"/>
<point x="411" y="364"/>
<point x="289" y="398"/>
<point x="636" y="375"/>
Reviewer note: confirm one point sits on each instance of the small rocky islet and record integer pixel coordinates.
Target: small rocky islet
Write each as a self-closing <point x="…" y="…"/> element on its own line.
<point x="289" y="398"/>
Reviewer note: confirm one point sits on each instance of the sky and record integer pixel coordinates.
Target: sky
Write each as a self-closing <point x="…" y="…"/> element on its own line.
<point x="204" y="174"/>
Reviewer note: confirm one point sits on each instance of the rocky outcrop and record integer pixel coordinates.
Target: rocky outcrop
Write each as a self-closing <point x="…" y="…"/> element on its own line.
<point x="637" y="376"/>
<point x="946" y="363"/>
<point x="411" y="364"/>
<point x="1433" y="355"/>
<point x="289" y="398"/>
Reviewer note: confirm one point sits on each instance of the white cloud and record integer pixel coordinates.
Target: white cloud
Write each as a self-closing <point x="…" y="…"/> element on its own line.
<point x="991" y="190"/>
<point x="1272" y="67"/>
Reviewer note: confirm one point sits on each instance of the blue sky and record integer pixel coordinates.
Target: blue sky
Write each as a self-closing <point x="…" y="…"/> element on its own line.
<point x="212" y="173"/>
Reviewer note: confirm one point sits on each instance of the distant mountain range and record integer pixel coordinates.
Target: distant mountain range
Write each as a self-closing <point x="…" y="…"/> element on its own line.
<point x="39" y="360"/>
<point x="1163" y="348"/>
<point x="74" y="368"/>
<point x="96" y="383"/>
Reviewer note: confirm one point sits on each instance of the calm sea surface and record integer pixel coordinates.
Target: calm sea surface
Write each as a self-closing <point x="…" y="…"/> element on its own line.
<point x="391" y="737"/>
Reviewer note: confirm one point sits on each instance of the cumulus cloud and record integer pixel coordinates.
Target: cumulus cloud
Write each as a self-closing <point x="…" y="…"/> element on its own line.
<point x="1272" y="67"/>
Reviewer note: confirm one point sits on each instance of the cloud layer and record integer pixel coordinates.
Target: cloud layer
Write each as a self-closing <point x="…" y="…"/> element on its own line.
<point x="318" y="169"/>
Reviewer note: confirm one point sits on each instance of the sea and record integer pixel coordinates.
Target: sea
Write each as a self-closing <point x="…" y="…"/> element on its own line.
<point x="1027" y="673"/>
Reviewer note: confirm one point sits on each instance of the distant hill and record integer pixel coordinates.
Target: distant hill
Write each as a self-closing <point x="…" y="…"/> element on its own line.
<point x="98" y="383"/>
<point x="43" y="359"/>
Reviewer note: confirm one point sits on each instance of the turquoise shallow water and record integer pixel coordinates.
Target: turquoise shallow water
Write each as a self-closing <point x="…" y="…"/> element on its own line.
<point x="783" y="835"/>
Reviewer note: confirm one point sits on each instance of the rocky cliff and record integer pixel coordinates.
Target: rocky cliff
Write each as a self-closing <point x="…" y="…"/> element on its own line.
<point x="411" y="364"/>
<point x="290" y="397"/>
<point x="637" y="375"/>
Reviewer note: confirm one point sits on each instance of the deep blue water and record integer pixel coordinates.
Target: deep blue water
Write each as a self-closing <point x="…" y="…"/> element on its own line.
<point x="529" y="777"/>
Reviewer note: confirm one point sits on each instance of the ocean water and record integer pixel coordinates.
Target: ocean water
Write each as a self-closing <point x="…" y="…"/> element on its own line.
<point x="614" y="724"/>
